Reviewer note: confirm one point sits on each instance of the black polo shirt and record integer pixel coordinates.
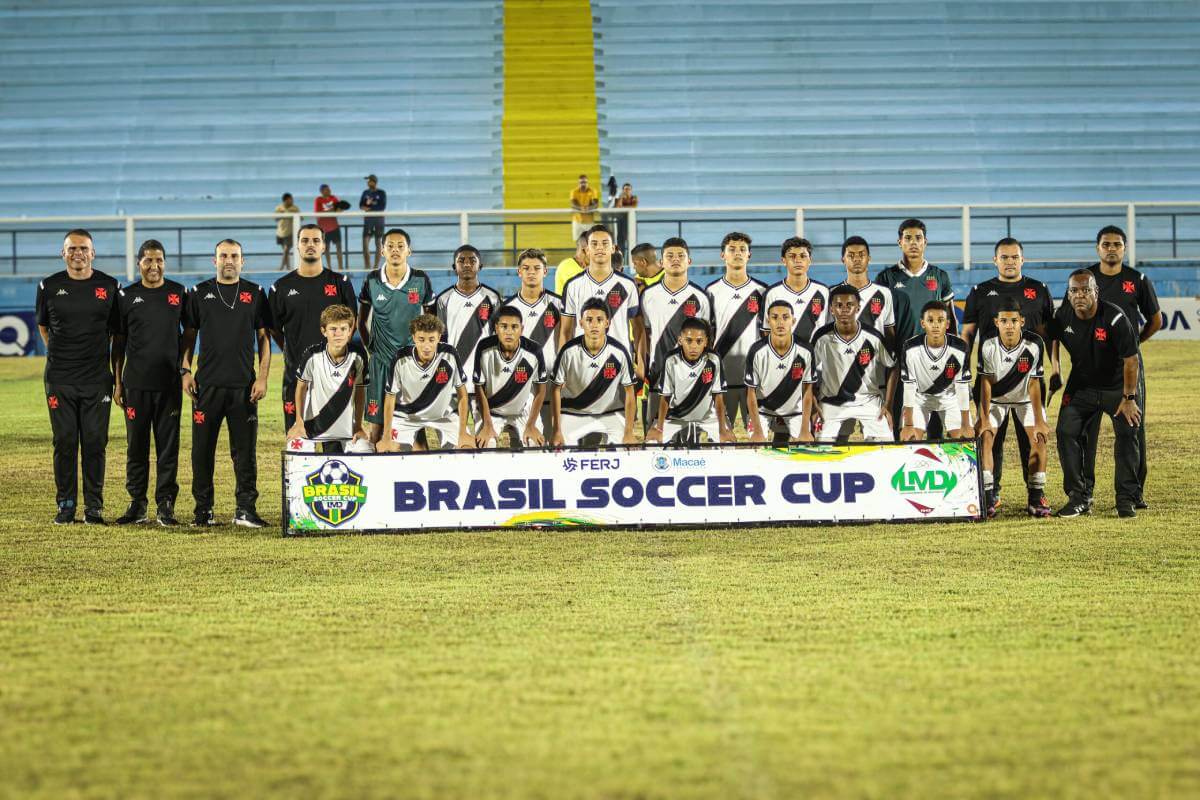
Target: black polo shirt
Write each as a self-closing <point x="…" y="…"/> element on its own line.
<point x="81" y="316"/>
<point x="1098" y="346"/>
<point x="1129" y="290"/>
<point x="296" y="304"/>
<point x="983" y="303"/>
<point x="227" y="318"/>
<point x="150" y="321"/>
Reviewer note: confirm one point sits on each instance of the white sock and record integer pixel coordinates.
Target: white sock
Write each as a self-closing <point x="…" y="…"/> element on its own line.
<point x="987" y="480"/>
<point x="1038" y="481"/>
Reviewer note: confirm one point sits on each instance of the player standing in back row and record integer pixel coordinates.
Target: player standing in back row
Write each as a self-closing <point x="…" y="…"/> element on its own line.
<point x="615" y="290"/>
<point x="466" y="308"/>
<point x="737" y="300"/>
<point x="808" y="299"/>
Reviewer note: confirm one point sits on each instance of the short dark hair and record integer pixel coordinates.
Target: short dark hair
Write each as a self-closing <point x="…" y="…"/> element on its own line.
<point x="642" y="250"/>
<point x="695" y="324"/>
<point x="509" y="311"/>
<point x="79" y="232"/>
<point x="676" y="241"/>
<point x="1113" y="229"/>
<point x="595" y="304"/>
<point x="1010" y="303"/>
<point x="286" y="196"/>
<point x="1082" y="273"/>
<point x="534" y="253"/>
<point x="795" y="241"/>
<point x="311" y="226"/>
<point x="581" y="239"/>
<point x="934" y="305"/>
<point x="781" y="304"/>
<point x="228" y="241"/>
<point x="618" y="260"/>
<point x="846" y="289"/>
<point x="853" y="240"/>
<point x="466" y="248"/>
<point x="911" y="222"/>
<point x="323" y="186"/>
<point x="736" y="236"/>
<point x="1005" y="242"/>
<point x="598" y="229"/>
<point x="398" y="232"/>
<point x="151" y="244"/>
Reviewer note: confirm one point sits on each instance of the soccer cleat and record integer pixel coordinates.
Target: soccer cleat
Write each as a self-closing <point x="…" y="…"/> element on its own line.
<point x="166" y="517"/>
<point x="134" y="515"/>
<point x="65" y="516"/>
<point x="93" y="517"/>
<point x="248" y="519"/>
<point x="1091" y="502"/>
<point x="203" y="519"/>
<point x="1141" y="504"/>
<point x="1073" y="508"/>
<point x="1126" y="512"/>
<point x="989" y="504"/>
<point x="1038" y="505"/>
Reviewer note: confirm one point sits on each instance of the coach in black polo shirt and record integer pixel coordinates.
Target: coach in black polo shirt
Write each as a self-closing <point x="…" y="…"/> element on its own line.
<point x="296" y="302"/>
<point x="1104" y="378"/>
<point x="76" y="312"/>
<point x="1133" y="293"/>
<point x="146" y="367"/>
<point x="979" y="324"/>
<point x="231" y="317"/>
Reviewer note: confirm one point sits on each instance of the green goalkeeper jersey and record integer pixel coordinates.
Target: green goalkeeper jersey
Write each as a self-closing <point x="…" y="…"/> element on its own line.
<point x="392" y="309"/>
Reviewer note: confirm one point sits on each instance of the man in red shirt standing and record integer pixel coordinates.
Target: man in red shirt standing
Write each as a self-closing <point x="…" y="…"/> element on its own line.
<point x="326" y="202"/>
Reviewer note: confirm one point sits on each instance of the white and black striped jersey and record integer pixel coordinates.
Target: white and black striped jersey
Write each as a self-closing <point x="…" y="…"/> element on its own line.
<point x="877" y="307"/>
<point x="934" y="373"/>
<point x="508" y="383"/>
<point x="328" y="411"/>
<point x="618" y="292"/>
<point x="735" y="315"/>
<point x="593" y="384"/>
<point x="540" y="321"/>
<point x="779" y="380"/>
<point x="810" y="308"/>
<point x="1011" y="370"/>
<point x="664" y="312"/>
<point x="425" y="392"/>
<point x="850" y="371"/>
<point x="468" y="318"/>
<point x="690" y="386"/>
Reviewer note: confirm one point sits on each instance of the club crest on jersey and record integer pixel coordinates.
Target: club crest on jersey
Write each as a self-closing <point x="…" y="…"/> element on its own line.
<point x="330" y="290"/>
<point x="372" y="408"/>
<point x="864" y="356"/>
<point x="951" y="369"/>
<point x="442" y="375"/>
<point x="485" y="311"/>
<point x="1023" y="364"/>
<point x="817" y="307"/>
<point x="610" y="370"/>
<point x="101" y="293"/>
<point x="246" y="297"/>
<point x="797" y="370"/>
<point x="931" y="283"/>
<point x="690" y="308"/>
<point x="1101" y="335"/>
<point x="173" y="300"/>
<point x="876" y="306"/>
<point x="1030" y="294"/>
<point x="707" y="375"/>
<point x="413" y="297"/>
<point x="752" y="304"/>
<point x="520" y="374"/>
<point x="549" y="320"/>
<point x="334" y="493"/>
<point x="1127" y="287"/>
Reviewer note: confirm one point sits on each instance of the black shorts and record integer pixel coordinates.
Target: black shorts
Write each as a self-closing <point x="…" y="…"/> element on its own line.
<point x="334" y="236"/>
<point x="373" y="226"/>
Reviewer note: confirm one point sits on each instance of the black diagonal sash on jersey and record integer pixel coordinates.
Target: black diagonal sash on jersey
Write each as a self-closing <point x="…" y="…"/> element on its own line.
<point x="511" y="388"/>
<point x="783" y="391"/>
<point x="853" y="380"/>
<point x="429" y="393"/>
<point x="868" y="316"/>
<point x="1014" y="377"/>
<point x="591" y="393"/>
<point x="540" y="333"/>
<point x="665" y="343"/>
<point x="469" y="336"/>
<point x="694" y="397"/>
<point x="943" y="381"/>
<point x="335" y="407"/>
<point x="737" y="325"/>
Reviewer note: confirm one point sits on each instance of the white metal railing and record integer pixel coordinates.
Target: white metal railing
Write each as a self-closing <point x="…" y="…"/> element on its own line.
<point x="799" y="215"/>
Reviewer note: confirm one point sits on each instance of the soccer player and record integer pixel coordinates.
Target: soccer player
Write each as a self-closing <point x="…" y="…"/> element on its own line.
<point x="808" y="299"/>
<point x="328" y="202"/>
<point x="425" y="391"/>
<point x="1132" y="292"/>
<point x="146" y="366"/>
<point x="466" y="308"/>
<point x="647" y="270"/>
<point x="330" y="385"/>
<point x="666" y="306"/>
<point x="372" y="199"/>
<point x="600" y="281"/>
<point x="541" y="314"/>
<point x="935" y="371"/>
<point x="387" y="304"/>
<point x="983" y="303"/>
<point x="76" y="314"/>
<point x="877" y="304"/>
<point x="510" y="374"/>
<point x="1010" y="372"/>
<point x="232" y="319"/>
<point x="297" y="301"/>
<point x="593" y="383"/>
<point x="780" y="377"/>
<point x="737" y="300"/>
<point x="856" y="375"/>
<point x="1103" y="380"/>
<point x="691" y="386"/>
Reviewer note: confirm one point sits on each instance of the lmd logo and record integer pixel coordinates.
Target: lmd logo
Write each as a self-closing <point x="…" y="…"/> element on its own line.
<point x="928" y="481"/>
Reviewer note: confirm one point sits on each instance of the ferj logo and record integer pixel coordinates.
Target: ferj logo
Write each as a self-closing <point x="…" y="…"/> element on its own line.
<point x="334" y="493"/>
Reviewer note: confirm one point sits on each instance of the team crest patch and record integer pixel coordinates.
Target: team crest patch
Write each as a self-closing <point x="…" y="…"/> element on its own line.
<point x="1101" y="335"/>
<point x="817" y="307"/>
<point x="330" y="290"/>
<point x="1030" y="294"/>
<point x="931" y="284"/>
<point x="1127" y="287"/>
<point x="172" y="299"/>
<point x="549" y="320"/>
<point x="752" y="305"/>
<point x="245" y="297"/>
<point x="690" y="308"/>
<point x="413" y="297"/>
<point x="614" y="299"/>
<point x="864" y="356"/>
<point x="1023" y="364"/>
<point x="951" y="370"/>
<point x="372" y="408"/>
<point x="610" y="370"/>
<point x="706" y="376"/>
<point x="485" y="311"/>
<point x="520" y="374"/>
<point x="52" y="401"/>
<point x="876" y="306"/>
<point x="289" y="407"/>
<point x="130" y="412"/>
<point x="101" y="293"/>
<point x="334" y="493"/>
<point x="442" y="375"/>
<point x="797" y="370"/>
<point x="198" y="417"/>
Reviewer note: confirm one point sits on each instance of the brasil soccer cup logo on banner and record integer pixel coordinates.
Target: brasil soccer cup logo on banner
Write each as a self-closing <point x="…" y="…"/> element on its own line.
<point x="334" y="493"/>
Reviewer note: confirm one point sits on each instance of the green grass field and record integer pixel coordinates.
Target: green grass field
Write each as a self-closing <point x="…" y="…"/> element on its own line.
<point x="1006" y="659"/>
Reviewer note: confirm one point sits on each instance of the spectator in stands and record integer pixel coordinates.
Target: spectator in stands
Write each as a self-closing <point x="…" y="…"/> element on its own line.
<point x="283" y="227"/>
<point x="584" y="202"/>
<point x="627" y="199"/>
<point x="328" y="202"/>
<point x="570" y="267"/>
<point x="372" y="199"/>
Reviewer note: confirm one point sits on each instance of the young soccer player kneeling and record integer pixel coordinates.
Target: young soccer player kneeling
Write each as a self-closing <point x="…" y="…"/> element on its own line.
<point x="936" y="378"/>
<point x="510" y="384"/>
<point x="593" y="383"/>
<point x="1008" y="364"/>
<point x="779" y="370"/>
<point x="425" y="390"/>
<point x="330" y="382"/>
<point x="691" y="389"/>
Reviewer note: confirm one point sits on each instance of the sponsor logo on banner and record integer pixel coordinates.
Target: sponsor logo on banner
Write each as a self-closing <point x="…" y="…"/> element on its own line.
<point x="16" y="333"/>
<point x="924" y="480"/>
<point x="1181" y="318"/>
<point x="334" y="493"/>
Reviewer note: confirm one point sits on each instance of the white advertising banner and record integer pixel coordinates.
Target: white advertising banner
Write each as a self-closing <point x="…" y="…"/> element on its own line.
<point x="1181" y="318"/>
<point x="629" y="487"/>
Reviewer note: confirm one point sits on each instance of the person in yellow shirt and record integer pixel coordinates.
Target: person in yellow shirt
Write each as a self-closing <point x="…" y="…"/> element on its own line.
<point x="570" y="267"/>
<point x="584" y="202"/>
